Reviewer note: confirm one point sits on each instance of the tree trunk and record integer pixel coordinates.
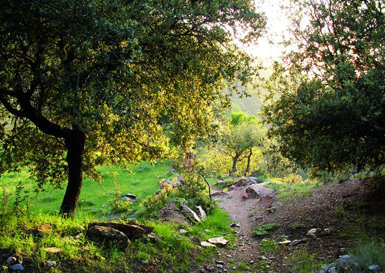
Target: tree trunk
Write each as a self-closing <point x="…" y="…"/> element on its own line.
<point x="74" y="142"/>
<point x="235" y="161"/>
<point x="248" y="161"/>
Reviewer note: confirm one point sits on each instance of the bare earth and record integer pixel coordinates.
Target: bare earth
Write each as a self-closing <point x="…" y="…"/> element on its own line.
<point x="335" y="207"/>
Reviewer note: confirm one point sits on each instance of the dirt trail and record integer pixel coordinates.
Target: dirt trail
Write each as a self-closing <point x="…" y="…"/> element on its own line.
<point x="244" y="212"/>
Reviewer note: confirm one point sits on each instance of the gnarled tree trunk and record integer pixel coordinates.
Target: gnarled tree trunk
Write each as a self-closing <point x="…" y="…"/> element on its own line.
<point x="248" y="162"/>
<point x="235" y="161"/>
<point x="74" y="142"/>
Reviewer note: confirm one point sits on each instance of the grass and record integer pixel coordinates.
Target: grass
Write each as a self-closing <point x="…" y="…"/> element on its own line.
<point x="292" y="192"/>
<point x="95" y="199"/>
<point x="264" y="230"/>
<point x="19" y="229"/>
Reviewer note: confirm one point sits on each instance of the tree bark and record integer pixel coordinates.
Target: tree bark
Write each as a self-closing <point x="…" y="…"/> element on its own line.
<point x="74" y="142"/>
<point x="248" y="161"/>
<point x="235" y="161"/>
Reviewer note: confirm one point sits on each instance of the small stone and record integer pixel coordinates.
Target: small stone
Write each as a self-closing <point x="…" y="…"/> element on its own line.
<point x="206" y="244"/>
<point x="228" y="256"/>
<point x="220" y="262"/>
<point x="131" y="195"/>
<point x="11" y="260"/>
<point x="201" y="213"/>
<point x="295" y="242"/>
<point x="52" y="250"/>
<point x="218" y="241"/>
<point x="182" y="231"/>
<point x="17" y="267"/>
<point x="251" y="262"/>
<point x="190" y="213"/>
<point x="235" y="225"/>
<point x="375" y="268"/>
<point x="263" y="258"/>
<point x="207" y="231"/>
<point x="50" y="264"/>
<point x="285" y="243"/>
<point x="311" y="232"/>
<point x="220" y="265"/>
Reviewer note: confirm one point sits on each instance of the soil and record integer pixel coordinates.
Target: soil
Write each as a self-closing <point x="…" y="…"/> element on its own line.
<point x="339" y="212"/>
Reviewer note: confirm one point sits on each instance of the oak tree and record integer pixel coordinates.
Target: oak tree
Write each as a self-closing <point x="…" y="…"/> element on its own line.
<point x="90" y="82"/>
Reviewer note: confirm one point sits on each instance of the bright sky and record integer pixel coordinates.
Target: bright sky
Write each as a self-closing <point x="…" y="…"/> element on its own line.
<point x="268" y="47"/>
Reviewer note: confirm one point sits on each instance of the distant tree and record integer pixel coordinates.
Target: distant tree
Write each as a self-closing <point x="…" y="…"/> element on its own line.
<point x="245" y="133"/>
<point x="330" y="113"/>
<point x="93" y="82"/>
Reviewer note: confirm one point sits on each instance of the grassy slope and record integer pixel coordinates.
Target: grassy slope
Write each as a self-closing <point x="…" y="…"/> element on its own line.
<point x="141" y="180"/>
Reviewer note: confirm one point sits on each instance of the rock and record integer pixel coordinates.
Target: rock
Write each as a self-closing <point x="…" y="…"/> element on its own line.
<point x="105" y="235"/>
<point x="17" y="267"/>
<point x="295" y="242"/>
<point x="231" y="188"/>
<point x="217" y="193"/>
<point x="44" y="228"/>
<point x="220" y="262"/>
<point x="132" y="231"/>
<point x="220" y="265"/>
<point x="11" y="260"/>
<point x="233" y="225"/>
<point x="183" y="231"/>
<point x="252" y="192"/>
<point x="131" y="195"/>
<point x="327" y="231"/>
<point x="50" y="264"/>
<point x="218" y="241"/>
<point x="221" y="182"/>
<point x="343" y="264"/>
<point x="375" y="268"/>
<point x="206" y="244"/>
<point x="52" y="250"/>
<point x="312" y="233"/>
<point x="253" y="179"/>
<point x="241" y="182"/>
<point x="171" y="213"/>
<point x="285" y="243"/>
<point x="207" y="230"/>
<point x="153" y="237"/>
<point x="190" y="213"/>
<point x="201" y="213"/>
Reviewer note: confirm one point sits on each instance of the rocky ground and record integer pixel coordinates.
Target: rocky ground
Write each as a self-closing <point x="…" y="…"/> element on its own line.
<point x="323" y="224"/>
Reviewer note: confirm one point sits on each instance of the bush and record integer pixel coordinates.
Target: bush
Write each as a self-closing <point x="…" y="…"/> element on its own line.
<point x="370" y="252"/>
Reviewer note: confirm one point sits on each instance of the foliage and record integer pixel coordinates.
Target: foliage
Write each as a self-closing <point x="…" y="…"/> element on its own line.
<point x="303" y="262"/>
<point x="370" y="252"/>
<point x="109" y="82"/>
<point x="265" y="229"/>
<point x="330" y="108"/>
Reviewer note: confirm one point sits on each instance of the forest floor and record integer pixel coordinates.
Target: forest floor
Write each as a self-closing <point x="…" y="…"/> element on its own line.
<point x="342" y="214"/>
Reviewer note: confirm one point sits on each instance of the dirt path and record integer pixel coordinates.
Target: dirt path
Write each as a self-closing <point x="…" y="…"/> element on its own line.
<point x="244" y="212"/>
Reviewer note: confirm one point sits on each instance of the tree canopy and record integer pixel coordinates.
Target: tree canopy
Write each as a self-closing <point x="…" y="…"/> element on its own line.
<point x="89" y="82"/>
<point x="331" y="108"/>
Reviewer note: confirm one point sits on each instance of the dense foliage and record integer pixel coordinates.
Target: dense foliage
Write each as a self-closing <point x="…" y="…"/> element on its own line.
<point x="90" y="82"/>
<point x="331" y="108"/>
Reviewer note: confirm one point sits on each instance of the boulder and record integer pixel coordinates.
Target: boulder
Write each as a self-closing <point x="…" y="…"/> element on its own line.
<point x="343" y="264"/>
<point x="105" y="235"/>
<point x="241" y="182"/>
<point x="190" y="213"/>
<point x="252" y="192"/>
<point x="219" y="241"/>
<point x="201" y="213"/>
<point x="171" y="213"/>
<point x="132" y="231"/>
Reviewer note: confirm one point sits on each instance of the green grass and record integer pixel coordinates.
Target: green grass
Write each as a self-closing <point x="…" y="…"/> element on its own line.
<point x="95" y="199"/>
<point x="292" y="192"/>
<point x="264" y="230"/>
